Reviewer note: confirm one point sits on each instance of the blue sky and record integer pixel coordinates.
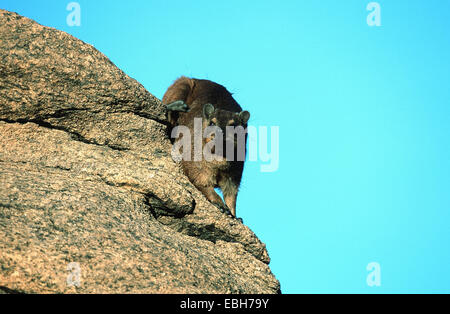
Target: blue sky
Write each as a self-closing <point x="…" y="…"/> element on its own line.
<point x="363" y="115"/>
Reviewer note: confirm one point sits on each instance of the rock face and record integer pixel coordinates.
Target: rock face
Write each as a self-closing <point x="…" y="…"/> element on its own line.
<point x="87" y="179"/>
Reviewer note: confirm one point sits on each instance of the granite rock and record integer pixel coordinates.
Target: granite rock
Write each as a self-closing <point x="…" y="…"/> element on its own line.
<point x="87" y="179"/>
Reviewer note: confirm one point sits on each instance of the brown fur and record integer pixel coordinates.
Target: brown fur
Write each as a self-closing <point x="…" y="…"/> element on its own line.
<point x="207" y="175"/>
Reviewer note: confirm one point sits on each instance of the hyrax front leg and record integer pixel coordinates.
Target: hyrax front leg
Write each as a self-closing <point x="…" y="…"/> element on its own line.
<point x="230" y="200"/>
<point x="229" y="190"/>
<point x="214" y="198"/>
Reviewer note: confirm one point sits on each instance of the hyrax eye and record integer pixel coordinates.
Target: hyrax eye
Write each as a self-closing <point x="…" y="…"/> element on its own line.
<point x="232" y="123"/>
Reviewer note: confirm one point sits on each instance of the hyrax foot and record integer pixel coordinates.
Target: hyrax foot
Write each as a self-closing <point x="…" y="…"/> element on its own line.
<point x="178" y="105"/>
<point x="227" y="211"/>
<point x="224" y="209"/>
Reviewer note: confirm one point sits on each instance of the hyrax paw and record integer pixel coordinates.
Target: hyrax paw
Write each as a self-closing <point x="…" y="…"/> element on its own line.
<point x="224" y="209"/>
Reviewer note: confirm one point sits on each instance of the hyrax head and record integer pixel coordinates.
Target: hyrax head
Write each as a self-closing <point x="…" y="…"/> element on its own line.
<point x="222" y="119"/>
<point x="231" y="126"/>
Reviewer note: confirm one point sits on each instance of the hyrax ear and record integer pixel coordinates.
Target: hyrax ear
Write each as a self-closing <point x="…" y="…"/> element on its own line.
<point x="244" y="116"/>
<point x="208" y="111"/>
